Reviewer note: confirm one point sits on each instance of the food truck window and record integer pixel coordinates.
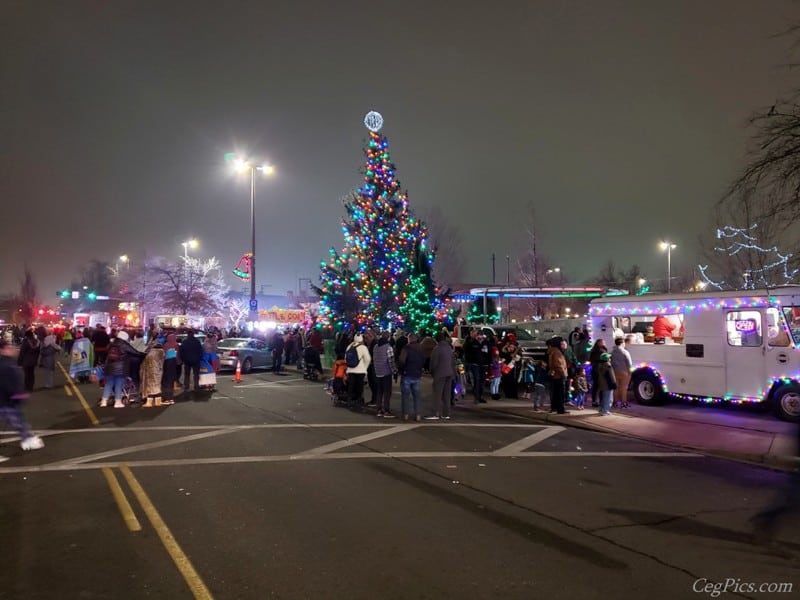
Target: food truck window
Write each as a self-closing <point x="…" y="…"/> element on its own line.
<point x="744" y="328"/>
<point x="777" y="333"/>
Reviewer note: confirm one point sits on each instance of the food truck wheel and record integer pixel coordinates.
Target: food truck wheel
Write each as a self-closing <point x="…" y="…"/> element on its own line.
<point x="787" y="403"/>
<point x="647" y="388"/>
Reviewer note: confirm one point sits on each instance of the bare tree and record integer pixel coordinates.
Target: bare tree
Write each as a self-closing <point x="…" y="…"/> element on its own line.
<point x="769" y="187"/>
<point x="735" y="257"/>
<point x="194" y="286"/>
<point x="447" y="242"/>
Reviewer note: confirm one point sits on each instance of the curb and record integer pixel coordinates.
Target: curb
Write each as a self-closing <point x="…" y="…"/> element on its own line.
<point x="771" y="461"/>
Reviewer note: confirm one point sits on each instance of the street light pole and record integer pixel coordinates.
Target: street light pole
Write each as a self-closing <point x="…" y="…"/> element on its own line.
<point x="241" y="165"/>
<point x="668" y="246"/>
<point x="253" y="313"/>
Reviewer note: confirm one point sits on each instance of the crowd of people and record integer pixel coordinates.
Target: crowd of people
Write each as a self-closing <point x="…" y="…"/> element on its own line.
<point x="369" y="363"/>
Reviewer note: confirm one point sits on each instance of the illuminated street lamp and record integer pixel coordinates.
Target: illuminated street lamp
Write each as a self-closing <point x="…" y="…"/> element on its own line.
<point x="186" y="245"/>
<point x="669" y="247"/>
<point x="242" y="165"/>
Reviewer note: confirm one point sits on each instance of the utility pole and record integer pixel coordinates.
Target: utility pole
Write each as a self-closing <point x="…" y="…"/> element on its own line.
<point x="493" y="270"/>
<point x="508" y="285"/>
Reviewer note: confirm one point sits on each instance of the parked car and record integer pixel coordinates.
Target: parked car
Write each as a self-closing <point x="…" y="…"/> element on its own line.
<point x="531" y="347"/>
<point x="250" y="352"/>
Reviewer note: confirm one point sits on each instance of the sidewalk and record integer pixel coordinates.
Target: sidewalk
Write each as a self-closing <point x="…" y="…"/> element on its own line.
<point x="764" y="441"/>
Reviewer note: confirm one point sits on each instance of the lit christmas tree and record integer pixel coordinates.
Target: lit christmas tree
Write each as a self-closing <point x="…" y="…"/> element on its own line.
<point x="385" y="260"/>
<point x="476" y="315"/>
<point x="420" y="311"/>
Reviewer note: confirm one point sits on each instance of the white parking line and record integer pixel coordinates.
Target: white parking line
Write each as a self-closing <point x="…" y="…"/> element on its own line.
<point x="529" y="441"/>
<point x="177" y="462"/>
<point x="358" y="440"/>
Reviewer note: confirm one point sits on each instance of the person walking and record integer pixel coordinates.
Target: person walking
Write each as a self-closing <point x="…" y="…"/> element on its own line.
<point x="384" y="363"/>
<point x="29" y="358"/>
<point x="47" y="358"/>
<point x="11" y="397"/>
<point x="557" y="366"/>
<point x="442" y="367"/>
<point x="191" y="353"/>
<point x="621" y="364"/>
<point x="412" y="363"/>
<point x="357" y="372"/>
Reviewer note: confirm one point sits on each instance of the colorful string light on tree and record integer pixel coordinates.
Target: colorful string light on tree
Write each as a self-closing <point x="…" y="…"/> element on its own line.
<point x="384" y="268"/>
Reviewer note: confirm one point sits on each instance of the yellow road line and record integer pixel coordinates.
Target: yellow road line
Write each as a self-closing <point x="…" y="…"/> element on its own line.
<point x="180" y="559"/>
<point x="92" y="418"/>
<point x="67" y="390"/>
<point x="122" y="502"/>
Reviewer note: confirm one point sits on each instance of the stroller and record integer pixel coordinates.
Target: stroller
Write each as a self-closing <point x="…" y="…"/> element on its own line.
<point x="336" y="388"/>
<point x="312" y="365"/>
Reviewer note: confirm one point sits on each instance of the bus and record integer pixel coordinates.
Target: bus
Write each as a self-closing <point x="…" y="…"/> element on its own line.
<point x="737" y="346"/>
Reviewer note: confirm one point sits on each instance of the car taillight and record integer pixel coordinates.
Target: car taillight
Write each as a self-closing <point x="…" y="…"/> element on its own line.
<point x="233" y="353"/>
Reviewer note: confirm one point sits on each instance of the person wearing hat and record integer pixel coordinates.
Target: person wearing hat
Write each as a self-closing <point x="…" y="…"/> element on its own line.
<point x="356" y="374"/>
<point x="606" y="383"/>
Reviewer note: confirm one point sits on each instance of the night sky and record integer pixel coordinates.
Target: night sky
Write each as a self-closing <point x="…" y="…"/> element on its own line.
<point x="622" y="121"/>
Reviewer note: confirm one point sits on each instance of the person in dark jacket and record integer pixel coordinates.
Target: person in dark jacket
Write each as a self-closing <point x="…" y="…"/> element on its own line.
<point x="412" y="363"/>
<point x="100" y="341"/>
<point x="29" y="358"/>
<point x="597" y="351"/>
<point x="11" y="396"/>
<point x="117" y="368"/>
<point x="191" y="353"/>
<point x="278" y="346"/>
<point x="442" y="365"/>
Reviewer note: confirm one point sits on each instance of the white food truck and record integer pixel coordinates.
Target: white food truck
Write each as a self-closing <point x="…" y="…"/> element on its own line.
<point x="740" y="346"/>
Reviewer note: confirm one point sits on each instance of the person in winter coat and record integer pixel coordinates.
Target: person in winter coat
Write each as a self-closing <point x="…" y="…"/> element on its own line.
<point x="606" y="383"/>
<point x="191" y="353"/>
<point x="621" y="364"/>
<point x="442" y="365"/>
<point x="170" y="368"/>
<point x="100" y="341"/>
<point x="278" y="345"/>
<point x="117" y="368"/>
<point x="81" y="358"/>
<point x="557" y="365"/>
<point x="11" y="396"/>
<point x="412" y="363"/>
<point x="29" y="358"/>
<point x="356" y="375"/>
<point x="151" y="374"/>
<point x="384" y="363"/>
<point x="47" y="358"/>
<point x="598" y="349"/>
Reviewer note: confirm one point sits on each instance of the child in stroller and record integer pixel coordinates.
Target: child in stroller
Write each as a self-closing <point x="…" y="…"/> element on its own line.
<point x="336" y="385"/>
<point x="312" y="364"/>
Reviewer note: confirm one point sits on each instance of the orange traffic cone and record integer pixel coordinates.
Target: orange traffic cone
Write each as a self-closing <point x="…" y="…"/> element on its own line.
<point x="238" y="377"/>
